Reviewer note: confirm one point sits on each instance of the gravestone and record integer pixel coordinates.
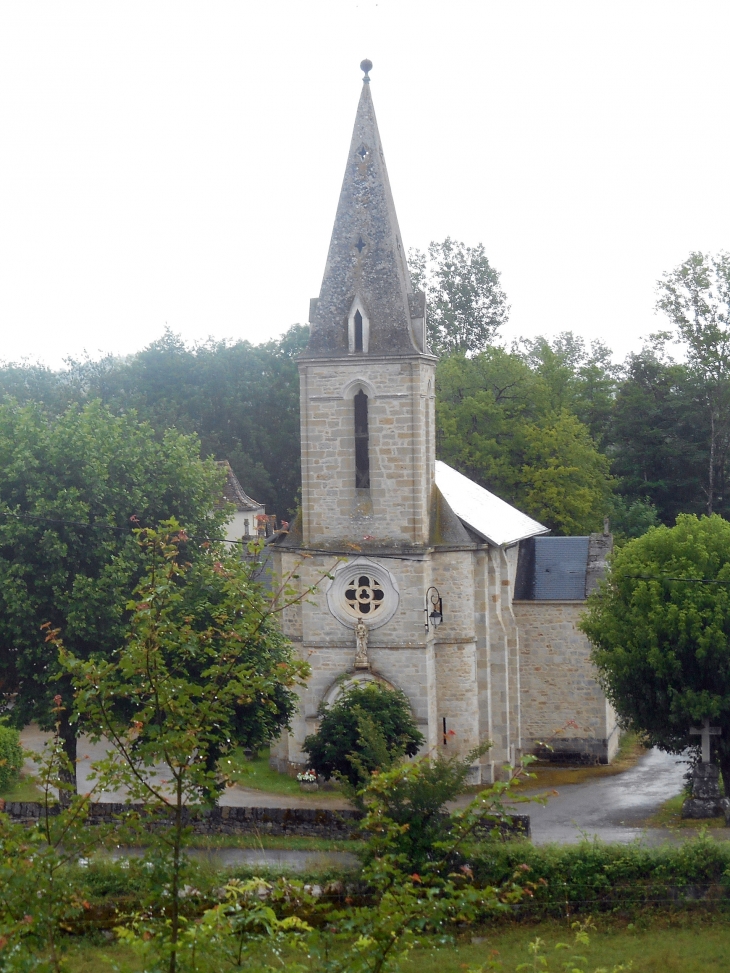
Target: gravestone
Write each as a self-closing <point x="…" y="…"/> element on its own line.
<point x="706" y="801"/>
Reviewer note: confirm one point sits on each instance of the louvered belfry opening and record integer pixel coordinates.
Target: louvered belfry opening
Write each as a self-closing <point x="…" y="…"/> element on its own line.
<point x="362" y="449"/>
<point x="358" y="331"/>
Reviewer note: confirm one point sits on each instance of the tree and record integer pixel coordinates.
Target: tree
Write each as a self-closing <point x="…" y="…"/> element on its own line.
<point x="202" y="648"/>
<point x="242" y="400"/>
<point x="654" y="445"/>
<point x="72" y="488"/>
<point x="465" y="303"/>
<point x="367" y="728"/>
<point x="497" y="424"/>
<point x="696" y="298"/>
<point x="660" y="629"/>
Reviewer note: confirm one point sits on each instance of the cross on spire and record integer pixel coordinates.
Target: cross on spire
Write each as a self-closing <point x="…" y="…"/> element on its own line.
<point x="706" y="731"/>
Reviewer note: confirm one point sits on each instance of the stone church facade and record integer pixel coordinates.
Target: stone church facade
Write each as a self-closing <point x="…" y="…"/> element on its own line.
<point x="423" y="563"/>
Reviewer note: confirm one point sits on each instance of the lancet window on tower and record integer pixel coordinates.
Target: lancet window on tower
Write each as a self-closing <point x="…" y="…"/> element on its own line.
<point x="358" y="328"/>
<point x="362" y="442"/>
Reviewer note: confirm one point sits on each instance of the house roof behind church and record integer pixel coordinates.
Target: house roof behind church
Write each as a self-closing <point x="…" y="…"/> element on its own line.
<point x="497" y="522"/>
<point x="234" y="493"/>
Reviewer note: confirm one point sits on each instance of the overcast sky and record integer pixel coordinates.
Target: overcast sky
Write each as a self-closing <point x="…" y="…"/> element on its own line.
<point x="174" y="163"/>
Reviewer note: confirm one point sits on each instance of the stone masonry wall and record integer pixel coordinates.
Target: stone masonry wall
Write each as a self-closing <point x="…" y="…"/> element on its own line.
<point x="394" y="511"/>
<point x="562" y="702"/>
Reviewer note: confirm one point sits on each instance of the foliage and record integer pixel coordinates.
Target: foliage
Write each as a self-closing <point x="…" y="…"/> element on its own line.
<point x="465" y="303"/>
<point x="696" y="298"/>
<point x="241" y="400"/>
<point x="40" y="895"/>
<point x="11" y="756"/>
<point x="580" y="380"/>
<point x="655" y="449"/>
<point x="405" y="903"/>
<point x="593" y="876"/>
<point x="631" y="518"/>
<point x="498" y="425"/>
<point x="203" y="666"/>
<point x="72" y="487"/>
<point x="660" y="641"/>
<point x="416" y="801"/>
<point x="367" y="728"/>
<point x="540" y="957"/>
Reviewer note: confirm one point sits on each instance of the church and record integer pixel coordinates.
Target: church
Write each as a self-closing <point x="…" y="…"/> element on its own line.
<point x="426" y="582"/>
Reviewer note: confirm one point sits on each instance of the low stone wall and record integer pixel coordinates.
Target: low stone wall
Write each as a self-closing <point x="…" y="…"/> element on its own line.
<point x="304" y="822"/>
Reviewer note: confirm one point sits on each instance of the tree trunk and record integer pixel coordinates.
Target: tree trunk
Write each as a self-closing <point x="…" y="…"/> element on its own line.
<point x="711" y="483"/>
<point x="67" y="734"/>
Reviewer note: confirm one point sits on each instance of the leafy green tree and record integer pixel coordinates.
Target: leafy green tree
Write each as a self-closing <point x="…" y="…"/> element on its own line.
<point x="498" y="425"/>
<point x="170" y="698"/>
<point x="72" y="488"/>
<point x="578" y="379"/>
<point x="465" y="304"/>
<point x="660" y="629"/>
<point x="696" y="298"/>
<point x="367" y="728"/>
<point x="11" y="756"/>
<point x="654" y="444"/>
<point x="242" y="401"/>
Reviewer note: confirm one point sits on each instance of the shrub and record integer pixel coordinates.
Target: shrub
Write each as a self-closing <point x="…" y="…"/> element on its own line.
<point x="367" y="728"/>
<point x="11" y="757"/>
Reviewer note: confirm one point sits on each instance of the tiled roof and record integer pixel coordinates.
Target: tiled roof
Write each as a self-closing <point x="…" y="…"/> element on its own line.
<point x="234" y="493"/>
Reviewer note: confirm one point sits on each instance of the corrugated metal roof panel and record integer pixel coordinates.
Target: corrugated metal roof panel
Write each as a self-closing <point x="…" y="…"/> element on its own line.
<point x="491" y="518"/>
<point x="560" y="568"/>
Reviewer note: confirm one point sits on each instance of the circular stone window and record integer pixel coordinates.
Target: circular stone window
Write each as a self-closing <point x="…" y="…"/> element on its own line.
<point x="363" y="590"/>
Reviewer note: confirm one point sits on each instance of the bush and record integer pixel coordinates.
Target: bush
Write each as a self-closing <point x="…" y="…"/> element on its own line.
<point x="367" y="728"/>
<point x="11" y="757"/>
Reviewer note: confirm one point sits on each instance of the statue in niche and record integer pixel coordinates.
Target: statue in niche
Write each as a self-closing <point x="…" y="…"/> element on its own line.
<point x="361" y="644"/>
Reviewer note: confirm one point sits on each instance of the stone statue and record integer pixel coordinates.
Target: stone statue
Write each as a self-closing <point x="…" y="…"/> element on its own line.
<point x="361" y="643"/>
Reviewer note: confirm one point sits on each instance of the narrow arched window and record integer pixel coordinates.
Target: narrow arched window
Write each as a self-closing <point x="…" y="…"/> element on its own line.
<point x="358" y="332"/>
<point x="362" y="449"/>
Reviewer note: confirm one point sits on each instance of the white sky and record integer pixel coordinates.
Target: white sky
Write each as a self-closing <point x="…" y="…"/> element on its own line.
<point x="179" y="163"/>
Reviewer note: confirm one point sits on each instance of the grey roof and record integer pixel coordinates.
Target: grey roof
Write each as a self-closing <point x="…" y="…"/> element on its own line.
<point x="367" y="257"/>
<point x="488" y="516"/>
<point x="552" y="569"/>
<point x="234" y="493"/>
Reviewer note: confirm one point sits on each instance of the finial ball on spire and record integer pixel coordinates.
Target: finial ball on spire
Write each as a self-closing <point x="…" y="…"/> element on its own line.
<point x="366" y="66"/>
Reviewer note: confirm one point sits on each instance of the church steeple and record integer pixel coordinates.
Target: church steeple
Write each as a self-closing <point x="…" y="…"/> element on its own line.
<point x="366" y="304"/>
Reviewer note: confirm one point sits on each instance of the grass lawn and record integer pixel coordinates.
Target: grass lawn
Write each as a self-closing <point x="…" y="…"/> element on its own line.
<point x="669" y="815"/>
<point x="23" y="790"/>
<point x="258" y="775"/>
<point x="695" y="945"/>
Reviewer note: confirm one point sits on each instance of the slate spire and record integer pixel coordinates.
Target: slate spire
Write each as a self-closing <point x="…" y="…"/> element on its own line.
<point x="366" y="304"/>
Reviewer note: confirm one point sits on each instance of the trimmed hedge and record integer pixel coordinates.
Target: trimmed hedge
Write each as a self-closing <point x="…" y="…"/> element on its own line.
<point x="593" y="876"/>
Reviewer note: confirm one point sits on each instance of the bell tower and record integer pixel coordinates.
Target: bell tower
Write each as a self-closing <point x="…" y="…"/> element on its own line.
<point x="367" y="377"/>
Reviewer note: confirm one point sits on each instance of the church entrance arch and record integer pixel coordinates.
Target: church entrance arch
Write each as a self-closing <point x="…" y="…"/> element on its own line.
<point x="349" y="679"/>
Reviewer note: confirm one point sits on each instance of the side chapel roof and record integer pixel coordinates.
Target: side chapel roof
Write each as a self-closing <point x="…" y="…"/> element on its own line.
<point x="495" y="521"/>
<point x="366" y="261"/>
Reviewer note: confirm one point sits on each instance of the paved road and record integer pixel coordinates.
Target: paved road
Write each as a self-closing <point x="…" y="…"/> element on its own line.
<point x="33" y="739"/>
<point x="611" y="808"/>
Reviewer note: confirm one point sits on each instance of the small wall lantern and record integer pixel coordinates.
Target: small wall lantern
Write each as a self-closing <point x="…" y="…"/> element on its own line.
<point x="434" y="610"/>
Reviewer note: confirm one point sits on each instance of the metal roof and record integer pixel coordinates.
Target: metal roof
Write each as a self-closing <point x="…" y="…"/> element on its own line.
<point x="552" y="569"/>
<point x="487" y="515"/>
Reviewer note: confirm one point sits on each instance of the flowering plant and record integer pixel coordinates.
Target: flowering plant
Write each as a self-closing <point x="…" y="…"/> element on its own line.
<point x="307" y="777"/>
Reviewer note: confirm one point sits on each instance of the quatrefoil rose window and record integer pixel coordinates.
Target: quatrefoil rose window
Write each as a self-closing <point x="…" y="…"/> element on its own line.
<point x="363" y="589"/>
